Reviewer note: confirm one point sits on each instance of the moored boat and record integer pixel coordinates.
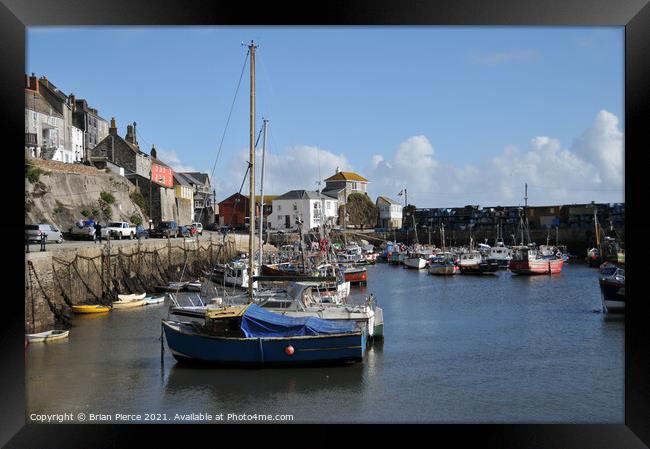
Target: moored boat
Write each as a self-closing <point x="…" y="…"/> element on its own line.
<point x="528" y="261"/>
<point x="93" y="308"/>
<point x="415" y="260"/>
<point x="500" y="254"/>
<point x="443" y="266"/>
<point x="355" y="275"/>
<point x="129" y="304"/>
<point x="131" y="297"/>
<point x="47" y="336"/>
<point x="612" y="287"/>
<point x="251" y="336"/>
<point x="472" y="263"/>
<point x="154" y="299"/>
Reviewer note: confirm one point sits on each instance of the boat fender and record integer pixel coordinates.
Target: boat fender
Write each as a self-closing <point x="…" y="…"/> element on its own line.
<point x="289" y="350"/>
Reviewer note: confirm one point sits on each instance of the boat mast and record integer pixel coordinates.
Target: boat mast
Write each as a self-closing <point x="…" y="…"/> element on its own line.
<point x="251" y="222"/>
<point x="266" y="124"/>
<point x="597" y="234"/>
<point x="442" y="232"/>
<point x="415" y="230"/>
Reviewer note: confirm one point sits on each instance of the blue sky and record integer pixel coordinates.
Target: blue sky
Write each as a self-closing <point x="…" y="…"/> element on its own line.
<point x="457" y="115"/>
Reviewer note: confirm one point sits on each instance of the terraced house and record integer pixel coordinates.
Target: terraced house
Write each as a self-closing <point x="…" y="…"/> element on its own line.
<point x="49" y="129"/>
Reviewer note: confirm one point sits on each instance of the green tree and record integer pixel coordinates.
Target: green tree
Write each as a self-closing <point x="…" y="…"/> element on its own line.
<point x="361" y="210"/>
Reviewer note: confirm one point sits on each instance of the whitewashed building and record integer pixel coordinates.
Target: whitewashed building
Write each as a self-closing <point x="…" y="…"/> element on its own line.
<point x="48" y="122"/>
<point x="77" y="144"/>
<point x="390" y="213"/>
<point x="308" y="207"/>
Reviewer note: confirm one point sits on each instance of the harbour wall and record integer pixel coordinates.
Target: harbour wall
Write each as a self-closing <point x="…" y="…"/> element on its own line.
<point x="56" y="280"/>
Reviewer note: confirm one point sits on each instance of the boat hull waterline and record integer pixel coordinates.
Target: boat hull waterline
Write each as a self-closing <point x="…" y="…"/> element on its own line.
<point x="188" y="346"/>
<point x="532" y="267"/>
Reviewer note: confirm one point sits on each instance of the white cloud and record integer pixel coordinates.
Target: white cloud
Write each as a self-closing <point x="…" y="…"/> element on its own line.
<point x="170" y="157"/>
<point x="602" y="145"/>
<point x="376" y="159"/>
<point x="591" y="169"/>
<point x="297" y="167"/>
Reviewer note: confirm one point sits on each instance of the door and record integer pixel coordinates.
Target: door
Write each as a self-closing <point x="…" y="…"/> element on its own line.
<point x="287" y="221"/>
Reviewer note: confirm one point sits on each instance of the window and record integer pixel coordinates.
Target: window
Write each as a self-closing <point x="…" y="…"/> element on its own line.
<point x="295" y="207"/>
<point x="355" y="186"/>
<point x="279" y="208"/>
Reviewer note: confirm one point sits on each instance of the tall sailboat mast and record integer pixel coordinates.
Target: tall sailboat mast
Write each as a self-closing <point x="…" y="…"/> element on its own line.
<point x="251" y="221"/>
<point x="266" y="124"/>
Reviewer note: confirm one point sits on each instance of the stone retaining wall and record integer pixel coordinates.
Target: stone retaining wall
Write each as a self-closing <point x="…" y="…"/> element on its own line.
<point x="56" y="280"/>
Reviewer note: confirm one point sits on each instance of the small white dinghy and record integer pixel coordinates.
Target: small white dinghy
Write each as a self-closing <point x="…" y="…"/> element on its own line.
<point x="45" y="337"/>
<point x="131" y="297"/>
<point x="154" y="299"/>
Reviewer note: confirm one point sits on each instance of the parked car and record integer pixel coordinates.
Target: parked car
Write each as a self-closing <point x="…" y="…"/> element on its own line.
<point x="165" y="229"/>
<point x="184" y="231"/>
<point x="83" y="230"/>
<point x="119" y="230"/>
<point x="199" y="227"/>
<point x="33" y="233"/>
<point x="141" y="232"/>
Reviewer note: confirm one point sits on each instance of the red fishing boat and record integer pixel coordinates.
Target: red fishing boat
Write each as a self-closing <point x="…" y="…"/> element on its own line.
<point x="355" y="275"/>
<point x="527" y="260"/>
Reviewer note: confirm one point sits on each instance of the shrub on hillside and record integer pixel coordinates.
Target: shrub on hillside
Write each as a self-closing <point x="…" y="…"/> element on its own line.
<point x="136" y="219"/>
<point x="33" y="174"/>
<point x="138" y="199"/>
<point x="107" y="197"/>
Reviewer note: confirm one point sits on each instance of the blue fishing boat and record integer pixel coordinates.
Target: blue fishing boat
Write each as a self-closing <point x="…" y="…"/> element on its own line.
<point x="249" y="335"/>
<point x="612" y="287"/>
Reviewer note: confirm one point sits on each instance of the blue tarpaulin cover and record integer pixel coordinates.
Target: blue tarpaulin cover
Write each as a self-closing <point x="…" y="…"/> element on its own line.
<point x="258" y="322"/>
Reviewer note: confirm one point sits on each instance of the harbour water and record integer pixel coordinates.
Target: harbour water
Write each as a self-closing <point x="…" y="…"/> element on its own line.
<point x="458" y="349"/>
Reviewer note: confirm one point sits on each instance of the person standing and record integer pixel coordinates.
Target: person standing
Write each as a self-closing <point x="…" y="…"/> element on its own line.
<point x="98" y="232"/>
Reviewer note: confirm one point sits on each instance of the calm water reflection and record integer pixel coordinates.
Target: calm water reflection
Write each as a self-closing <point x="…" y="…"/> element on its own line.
<point x="458" y="349"/>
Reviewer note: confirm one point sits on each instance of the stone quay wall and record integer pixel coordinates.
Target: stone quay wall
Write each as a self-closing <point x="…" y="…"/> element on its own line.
<point x="57" y="280"/>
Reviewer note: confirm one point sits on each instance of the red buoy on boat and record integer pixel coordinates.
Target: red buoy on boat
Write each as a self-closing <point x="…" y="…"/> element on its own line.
<point x="289" y="350"/>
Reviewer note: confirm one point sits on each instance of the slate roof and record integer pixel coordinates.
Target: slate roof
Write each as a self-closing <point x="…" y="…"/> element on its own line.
<point x="197" y="177"/>
<point x="181" y="180"/>
<point x="34" y="101"/>
<point x="332" y="193"/>
<point x="302" y="195"/>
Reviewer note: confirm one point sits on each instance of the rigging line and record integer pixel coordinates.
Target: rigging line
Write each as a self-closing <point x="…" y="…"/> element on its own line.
<point x="223" y="136"/>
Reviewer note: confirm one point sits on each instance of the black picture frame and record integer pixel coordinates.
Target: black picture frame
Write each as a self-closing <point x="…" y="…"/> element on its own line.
<point x="16" y="15"/>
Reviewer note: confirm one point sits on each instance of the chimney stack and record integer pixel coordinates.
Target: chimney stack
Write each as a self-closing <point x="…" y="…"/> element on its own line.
<point x="73" y="102"/>
<point x="129" y="134"/>
<point x="31" y="83"/>
<point x="113" y="129"/>
<point x="135" y="136"/>
<point x="154" y="153"/>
